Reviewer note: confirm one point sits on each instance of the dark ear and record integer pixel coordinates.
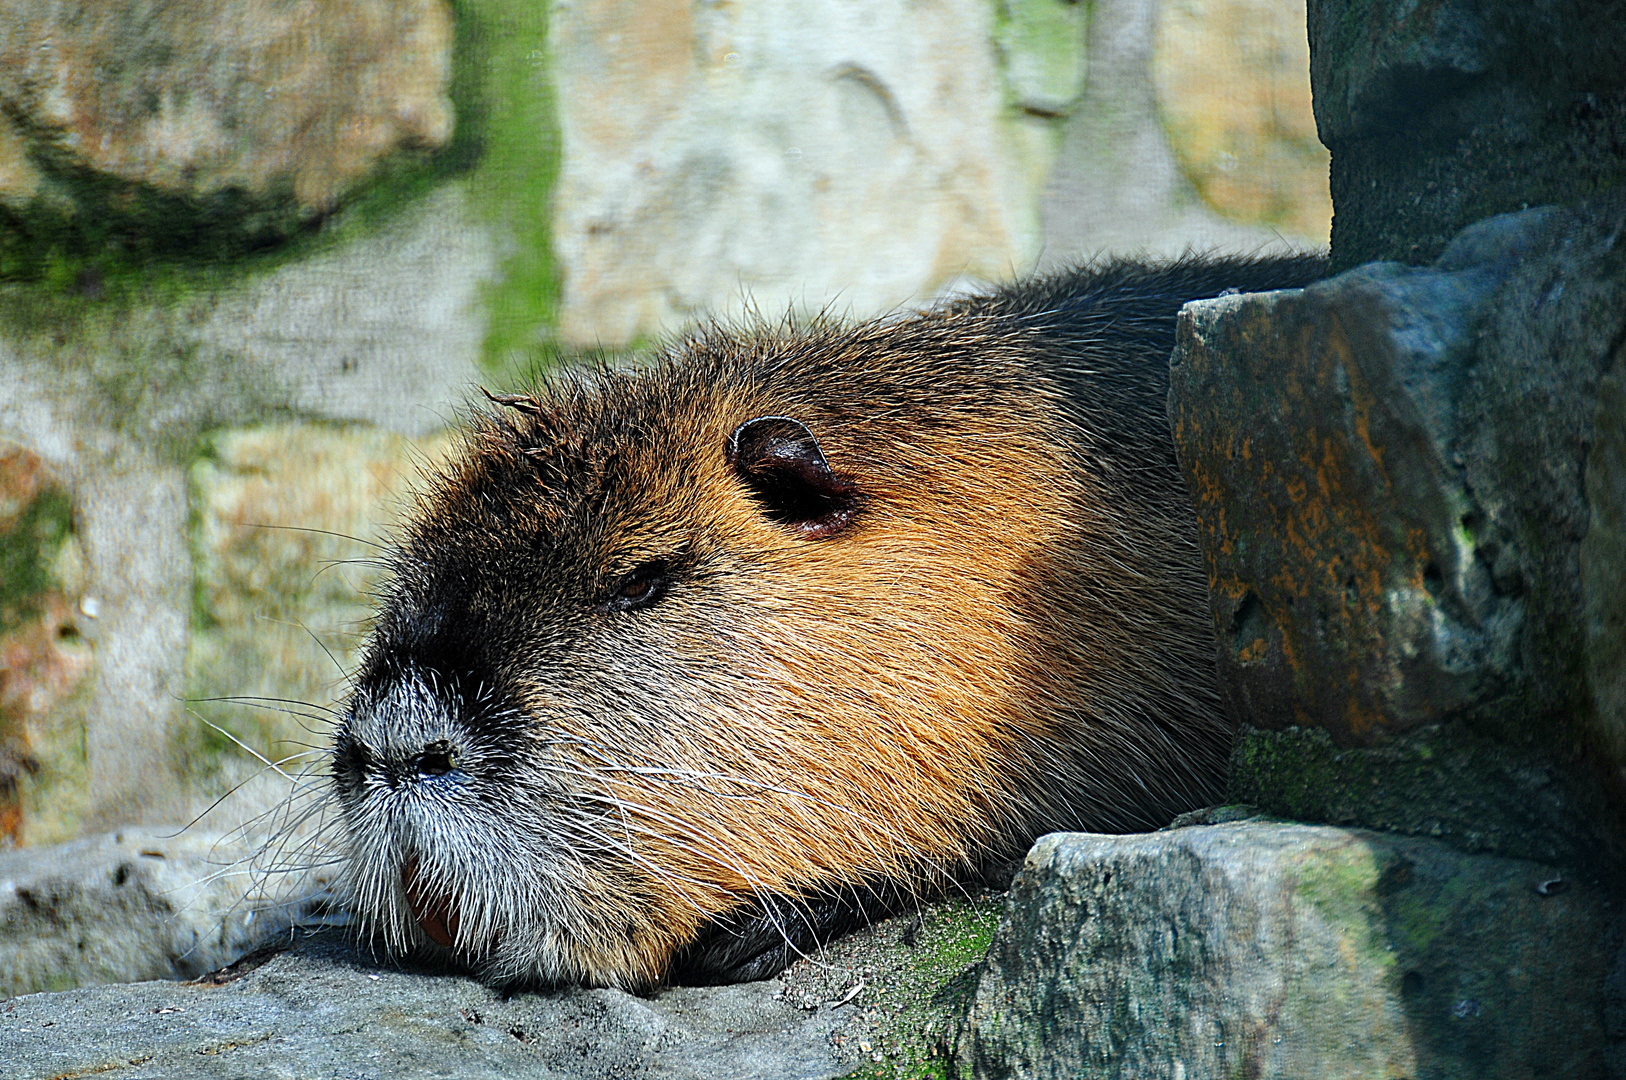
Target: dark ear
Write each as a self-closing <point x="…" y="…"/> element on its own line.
<point x="780" y="461"/>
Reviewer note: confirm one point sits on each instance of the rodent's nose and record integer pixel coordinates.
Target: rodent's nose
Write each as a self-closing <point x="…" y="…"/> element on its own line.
<point x="437" y="758"/>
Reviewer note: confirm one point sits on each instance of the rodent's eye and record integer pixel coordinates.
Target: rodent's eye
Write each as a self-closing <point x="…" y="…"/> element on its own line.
<point x="641" y="588"/>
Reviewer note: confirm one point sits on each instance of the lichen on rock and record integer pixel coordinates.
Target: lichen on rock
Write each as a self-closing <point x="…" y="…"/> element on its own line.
<point x="1392" y="472"/>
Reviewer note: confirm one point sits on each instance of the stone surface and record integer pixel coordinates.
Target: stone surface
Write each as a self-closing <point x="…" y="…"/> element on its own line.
<point x="240" y="119"/>
<point x="1440" y="114"/>
<point x="325" y="1010"/>
<point x="810" y="152"/>
<point x="139" y="904"/>
<point x="1234" y="101"/>
<point x="1391" y="471"/>
<point x="387" y="329"/>
<point x="1119" y="186"/>
<point x="135" y="544"/>
<point x="876" y="1000"/>
<point x="1271" y="950"/>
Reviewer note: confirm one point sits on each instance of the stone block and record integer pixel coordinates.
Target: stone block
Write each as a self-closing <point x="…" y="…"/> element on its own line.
<point x="1192" y="131"/>
<point x="1286" y="951"/>
<point x="1233" y="98"/>
<point x="44" y="657"/>
<point x="1394" y="473"/>
<point x="1441" y="114"/>
<point x="808" y="153"/>
<point x="287" y="522"/>
<point x="226" y="121"/>
<point x="328" y="1008"/>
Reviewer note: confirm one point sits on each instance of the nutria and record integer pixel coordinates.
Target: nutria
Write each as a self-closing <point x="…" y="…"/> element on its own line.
<point x="682" y="667"/>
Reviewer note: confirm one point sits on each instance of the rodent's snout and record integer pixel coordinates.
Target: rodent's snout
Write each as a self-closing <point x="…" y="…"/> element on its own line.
<point x="406" y="728"/>
<point x="355" y="763"/>
<point x="415" y="765"/>
<point x="417" y="745"/>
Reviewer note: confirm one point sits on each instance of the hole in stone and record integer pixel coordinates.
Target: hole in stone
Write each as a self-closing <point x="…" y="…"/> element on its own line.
<point x="1245" y="621"/>
<point x="1411" y="983"/>
<point x="1433" y="580"/>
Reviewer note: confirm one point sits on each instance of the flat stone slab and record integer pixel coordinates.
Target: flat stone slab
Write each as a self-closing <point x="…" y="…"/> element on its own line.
<point x="1272" y="950"/>
<point x="324" y="1009"/>
<point x="139" y="904"/>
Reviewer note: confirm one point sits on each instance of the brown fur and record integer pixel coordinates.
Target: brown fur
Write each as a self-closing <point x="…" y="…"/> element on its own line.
<point x="1007" y="635"/>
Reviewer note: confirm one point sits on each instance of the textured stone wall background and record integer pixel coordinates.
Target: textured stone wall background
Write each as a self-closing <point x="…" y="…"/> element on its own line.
<point x="253" y="257"/>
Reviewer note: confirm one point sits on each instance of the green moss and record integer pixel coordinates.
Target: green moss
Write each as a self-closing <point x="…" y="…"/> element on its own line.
<point x="925" y="1002"/>
<point x="1342" y="887"/>
<point x="28" y="551"/>
<point x="1445" y="781"/>
<point x="1416" y="921"/>
<point x="504" y="48"/>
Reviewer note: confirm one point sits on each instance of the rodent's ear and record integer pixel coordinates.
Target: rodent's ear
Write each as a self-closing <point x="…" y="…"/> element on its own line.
<point x="782" y="464"/>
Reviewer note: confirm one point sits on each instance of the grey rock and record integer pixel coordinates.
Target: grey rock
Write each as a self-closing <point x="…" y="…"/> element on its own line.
<point x="138" y="904"/>
<point x="325" y="1009"/>
<point x="1275" y="950"/>
<point x="1393" y="472"/>
<point x="1441" y="114"/>
<point x="133" y="512"/>
<point x="386" y="329"/>
<point x="1375" y="63"/>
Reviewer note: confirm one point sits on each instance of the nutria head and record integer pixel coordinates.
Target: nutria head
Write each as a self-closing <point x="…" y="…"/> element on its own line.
<point x="676" y="660"/>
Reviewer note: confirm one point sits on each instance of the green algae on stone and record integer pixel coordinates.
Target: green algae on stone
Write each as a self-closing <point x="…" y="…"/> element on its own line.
<point x="1042" y="45"/>
<point x="29" y="549"/>
<point x="902" y="984"/>
<point x="1443" y="781"/>
<point x="503" y="76"/>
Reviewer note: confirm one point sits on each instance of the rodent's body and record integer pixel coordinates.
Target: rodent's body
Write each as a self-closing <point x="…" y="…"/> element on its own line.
<point x="685" y="664"/>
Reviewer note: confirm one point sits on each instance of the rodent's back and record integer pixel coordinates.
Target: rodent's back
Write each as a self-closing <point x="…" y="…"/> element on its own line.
<point x="785" y="620"/>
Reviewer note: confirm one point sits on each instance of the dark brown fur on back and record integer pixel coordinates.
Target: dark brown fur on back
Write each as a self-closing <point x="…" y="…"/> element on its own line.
<point x="655" y="684"/>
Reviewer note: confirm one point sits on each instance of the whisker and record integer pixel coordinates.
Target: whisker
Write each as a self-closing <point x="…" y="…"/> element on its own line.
<point x="319" y="532"/>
